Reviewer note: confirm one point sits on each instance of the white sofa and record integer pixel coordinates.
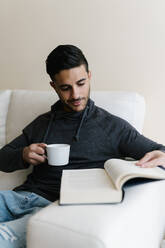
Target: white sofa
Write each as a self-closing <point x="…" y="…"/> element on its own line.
<point x="139" y="221"/>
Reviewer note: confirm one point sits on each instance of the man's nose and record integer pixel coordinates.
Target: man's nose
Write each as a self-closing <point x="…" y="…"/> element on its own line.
<point x="75" y="93"/>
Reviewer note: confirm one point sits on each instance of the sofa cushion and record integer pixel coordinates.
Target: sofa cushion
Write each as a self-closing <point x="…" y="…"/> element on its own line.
<point x="24" y="107"/>
<point x="127" y="105"/>
<point x="4" y="103"/>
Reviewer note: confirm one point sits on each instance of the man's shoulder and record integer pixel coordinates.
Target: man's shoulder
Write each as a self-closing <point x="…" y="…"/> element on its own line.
<point x="109" y="118"/>
<point x="40" y="121"/>
<point x="44" y="116"/>
<point x="103" y="113"/>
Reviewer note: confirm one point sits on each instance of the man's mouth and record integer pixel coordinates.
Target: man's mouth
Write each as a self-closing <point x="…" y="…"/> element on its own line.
<point x="76" y="102"/>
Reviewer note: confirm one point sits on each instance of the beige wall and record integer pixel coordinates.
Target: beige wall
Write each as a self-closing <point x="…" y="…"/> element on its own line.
<point x="124" y="41"/>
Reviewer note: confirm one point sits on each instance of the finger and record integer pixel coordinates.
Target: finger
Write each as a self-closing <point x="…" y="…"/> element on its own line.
<point x="34" y="145"/>
<point x="37" y="157"/>
<point x="40" y="150"/>
<point x="34" y="162"/>
<point x="152" y="163"/>
<point x="42" y="145"/>
<point x="148" y="156"/>
<point x="37" y="149"/>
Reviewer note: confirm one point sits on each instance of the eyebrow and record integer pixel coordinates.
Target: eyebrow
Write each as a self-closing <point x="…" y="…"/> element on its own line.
<point x="81" y="80"/>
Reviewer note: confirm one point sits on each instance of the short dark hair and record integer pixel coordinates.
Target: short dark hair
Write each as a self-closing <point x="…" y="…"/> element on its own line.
<point x="64" y="57"/>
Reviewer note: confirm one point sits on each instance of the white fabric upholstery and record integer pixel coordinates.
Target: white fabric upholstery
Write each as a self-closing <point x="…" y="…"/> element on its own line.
<point x="24" y="107"/>
<point x="137" y="222"/>
<point x="163" y="244"/>
<point x="4" y="103"/>
<point x="127" y="105"/>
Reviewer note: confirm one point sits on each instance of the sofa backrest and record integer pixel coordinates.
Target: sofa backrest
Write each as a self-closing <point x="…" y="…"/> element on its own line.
<point x="20" y="107"/>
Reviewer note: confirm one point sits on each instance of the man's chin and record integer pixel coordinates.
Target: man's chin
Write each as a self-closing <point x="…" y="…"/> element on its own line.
<point x="70" y="108"/>
<point x="78" y="108"/>
<point x="75" y="106"/>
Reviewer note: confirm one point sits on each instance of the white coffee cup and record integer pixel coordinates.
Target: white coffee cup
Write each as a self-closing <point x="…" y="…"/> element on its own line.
<point x="58" y="154"/>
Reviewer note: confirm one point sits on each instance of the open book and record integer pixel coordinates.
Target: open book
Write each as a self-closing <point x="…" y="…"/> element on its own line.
<point x="94" y="186"/>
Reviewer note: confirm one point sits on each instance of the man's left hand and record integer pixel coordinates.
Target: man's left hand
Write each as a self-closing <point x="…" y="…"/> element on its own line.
<point x="152" y="159"/>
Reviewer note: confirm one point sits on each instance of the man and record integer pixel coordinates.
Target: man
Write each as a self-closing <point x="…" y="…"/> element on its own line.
<point x="94" y="135"/>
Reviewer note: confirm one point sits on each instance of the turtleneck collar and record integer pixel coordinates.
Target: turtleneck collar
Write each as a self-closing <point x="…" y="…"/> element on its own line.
<point x="58" y="112"/>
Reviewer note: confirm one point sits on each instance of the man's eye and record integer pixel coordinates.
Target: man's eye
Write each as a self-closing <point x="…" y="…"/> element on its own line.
<point x="64" y="88"/>
<point x="81" y="84"/>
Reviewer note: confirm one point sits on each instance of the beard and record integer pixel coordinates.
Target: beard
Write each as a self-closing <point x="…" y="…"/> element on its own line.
<point x="69" y="105"/>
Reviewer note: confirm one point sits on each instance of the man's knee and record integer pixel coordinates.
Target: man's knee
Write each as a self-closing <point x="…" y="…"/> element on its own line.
<point x="8" y="239"/>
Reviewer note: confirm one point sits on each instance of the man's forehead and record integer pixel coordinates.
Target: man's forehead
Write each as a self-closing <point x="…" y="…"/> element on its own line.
<point x="70" y="83"/>
<point x="71" y="75"/>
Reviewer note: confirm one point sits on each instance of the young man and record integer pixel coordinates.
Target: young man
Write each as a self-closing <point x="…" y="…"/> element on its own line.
<point x="94" y="135"/>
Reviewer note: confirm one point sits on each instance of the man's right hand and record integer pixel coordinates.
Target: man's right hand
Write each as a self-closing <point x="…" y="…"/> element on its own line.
<point x="34" y="154"/>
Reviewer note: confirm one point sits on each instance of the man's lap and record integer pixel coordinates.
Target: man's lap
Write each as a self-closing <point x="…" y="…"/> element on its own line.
<point x="15" y="210"/>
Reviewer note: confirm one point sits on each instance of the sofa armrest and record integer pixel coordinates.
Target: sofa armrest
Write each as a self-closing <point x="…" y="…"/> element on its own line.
<point x="139" y="221"/>
<point x="11" y="180"/>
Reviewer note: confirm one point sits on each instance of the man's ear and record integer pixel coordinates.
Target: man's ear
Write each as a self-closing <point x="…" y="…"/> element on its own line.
<point x="89" y="75"/>
<point x="52" y="84"/>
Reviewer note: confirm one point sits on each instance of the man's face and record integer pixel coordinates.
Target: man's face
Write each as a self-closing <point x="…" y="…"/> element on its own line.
<point x="73" y="87"/>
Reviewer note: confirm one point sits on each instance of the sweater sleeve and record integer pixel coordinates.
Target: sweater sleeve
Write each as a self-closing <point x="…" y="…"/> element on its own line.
<point x="11" y="158"/>
<point x="135" y="145"/>
<point x="11" y="155"/>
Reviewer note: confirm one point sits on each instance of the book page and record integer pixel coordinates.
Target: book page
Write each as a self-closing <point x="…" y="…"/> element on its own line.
<point x="87" y="186"/>
<point x="121" y="171"/>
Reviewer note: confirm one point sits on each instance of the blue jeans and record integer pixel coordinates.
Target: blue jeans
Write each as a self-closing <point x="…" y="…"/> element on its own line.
<point x="15" y="210"/>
